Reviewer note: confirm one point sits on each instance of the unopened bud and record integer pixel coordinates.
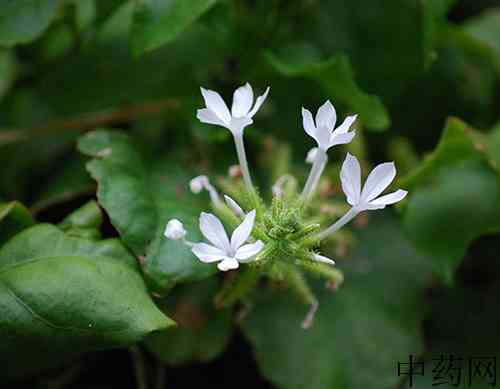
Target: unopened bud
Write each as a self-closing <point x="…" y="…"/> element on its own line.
<point x="175" y="230"/>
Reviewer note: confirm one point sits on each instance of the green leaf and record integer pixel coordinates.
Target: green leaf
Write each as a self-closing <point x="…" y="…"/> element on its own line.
<point x="140" y="198"/>
<point x="486" y="29"/>
<point x="202" y="332"/>
<point x="22" y="21"/>
<point x="385" y="56"/>
<point x="8" y="71"/>
<point x="157" y="22"/>
<point x="347" y="346"/>
<point x="87" y="216"/>
<point x="454" y="198"/>
<point x="14" y="217"/>
<point x="336" y="77"/>
<point x="62" y="296"/>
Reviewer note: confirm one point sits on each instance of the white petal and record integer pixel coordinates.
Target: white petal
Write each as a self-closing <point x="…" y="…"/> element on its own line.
<point x="234" y="206"/>
<point x="242" y="232"/>
<point x="350" y="177"/>
<point x="258" y="103"/>
<point x="346" y="125"/>
<point x="212" y="229"/>
<point x="228" y="264"/>
<point x="208" y="253"/>
<point x="247" y="251"/>
<point x="215" y="103"/>
<point x="311" y="155"/>
<point x="378" y="180"/>
<point x="341" y="139"/>
<point x="206" y="115"/>
<point x="323" y="135"/>
<point x="323" y="259"/>
<point x="308" y="123"/>
<point x="390" y="198"/>
<point x="326" y="116"/>
<point x="242" y="101"/>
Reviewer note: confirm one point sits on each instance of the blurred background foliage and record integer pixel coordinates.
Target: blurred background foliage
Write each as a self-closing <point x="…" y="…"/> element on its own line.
<point x="423" y="75"/>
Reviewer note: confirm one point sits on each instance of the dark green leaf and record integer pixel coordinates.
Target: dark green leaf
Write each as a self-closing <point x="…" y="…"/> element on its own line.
<point x="202" y="332"/>
<point x="157" y="22"/>
<point x="14" y="217"/>
<point x="140" y="198"/>
<point x="61" y="296"/>
<point x="359" y="332"/>
<point x="21" y="21"/>
<point x="337" y="78"/>
<point x="454" y="198"/>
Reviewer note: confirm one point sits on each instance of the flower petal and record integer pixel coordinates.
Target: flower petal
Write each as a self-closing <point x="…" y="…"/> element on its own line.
<point x="247" y="251"/>
<point x="212" y="229"/>
<point x="207" y="116"/>
<point x="228" y="264"/>
<point x="350" y="177"/>
<point x="258" y="103"/>
<point x="341" y="139"/>
<point x="390" y="198"/>
<point x="208" y="253"/>
<point x="308" y="123"/>
<point x="346" y="124"/>
<point x="215" y="103"/>
<point x="234" y="206"/>
<point x="311" y="155"/>
<point x="242" y="232"/>
<point x="242" y="101"/>
<point x="378" y="180"/>
<point x="323" y="135"/>
<point x="323" y="259"/>
<point x="326" y="116"/>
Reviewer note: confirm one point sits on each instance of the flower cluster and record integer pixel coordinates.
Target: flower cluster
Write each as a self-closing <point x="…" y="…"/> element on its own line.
<point x="278" y="240"/>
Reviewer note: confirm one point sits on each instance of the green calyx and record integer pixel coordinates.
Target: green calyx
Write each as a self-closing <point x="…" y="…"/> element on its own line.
<point x="287" y="229"/>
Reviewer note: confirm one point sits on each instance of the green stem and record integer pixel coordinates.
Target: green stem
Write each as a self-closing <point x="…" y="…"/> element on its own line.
<point x="139" y="365"/>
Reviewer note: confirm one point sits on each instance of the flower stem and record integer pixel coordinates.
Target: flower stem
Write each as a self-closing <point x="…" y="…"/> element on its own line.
<point x="351" y="214"/>
<point x="242" y="158"/>
<point x="315" y="174"/>
<point x="139" y="367"/>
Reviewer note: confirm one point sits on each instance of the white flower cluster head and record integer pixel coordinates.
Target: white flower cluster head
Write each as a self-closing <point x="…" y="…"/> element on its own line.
<point x="241" y="248"/>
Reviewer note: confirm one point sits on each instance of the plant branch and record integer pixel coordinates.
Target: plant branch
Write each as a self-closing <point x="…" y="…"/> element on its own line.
<point x="91" y="120"/>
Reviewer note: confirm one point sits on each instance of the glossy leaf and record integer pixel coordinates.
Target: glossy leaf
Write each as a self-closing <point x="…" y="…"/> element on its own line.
<point x="140" y="198"/>
<point x="61" y="296"/>
<point x="157" y="22"/>
<point x="14" y="217"/>
<point x="336" y="77"/>
<point x="21" y="21"/>
<point x="454" y="198"/>
<point x="359" y="332"/>
<point x="202" y="332"/>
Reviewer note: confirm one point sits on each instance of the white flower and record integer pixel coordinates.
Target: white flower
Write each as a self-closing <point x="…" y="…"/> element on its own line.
<point x="229" y="253"/>
<point x="378" y="180"/>
<point x="323" y="131"/>
<point x="175" y="230"/>
<point x="233" y="205"/>
<point x="217" y="112"/>
<point x="311" y="155"/>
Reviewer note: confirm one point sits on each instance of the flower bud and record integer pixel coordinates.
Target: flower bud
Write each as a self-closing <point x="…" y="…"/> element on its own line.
<point x="198" y="183"/>
<point x="311" y="155"/>
<point x="175" y="230"/>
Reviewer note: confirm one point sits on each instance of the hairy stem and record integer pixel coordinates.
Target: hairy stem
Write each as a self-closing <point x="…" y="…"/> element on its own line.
<point x="351" y="214"/>
<point x="315" y="174"/>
